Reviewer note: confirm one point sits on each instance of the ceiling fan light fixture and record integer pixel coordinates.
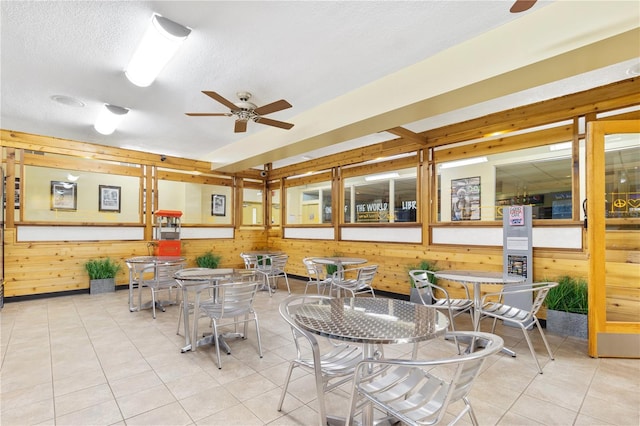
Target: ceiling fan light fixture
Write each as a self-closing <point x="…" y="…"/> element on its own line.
<point x="109" y="119"/>
<point x="159" y="44"/>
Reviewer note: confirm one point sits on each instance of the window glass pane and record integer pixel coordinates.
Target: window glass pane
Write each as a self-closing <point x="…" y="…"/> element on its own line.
<point x="73" y="196"/>
<point x="478" y="188"/>
<point x="381" y="198"/>
<point x="309" y="204"/>
<point x="275" y="207"/>
<point x="200" y="204"/>
<point x="622" y="175"/>
<point x="252" y="207"/>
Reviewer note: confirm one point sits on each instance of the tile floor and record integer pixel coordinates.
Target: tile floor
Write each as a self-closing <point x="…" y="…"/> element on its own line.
<point x="86" y="360"/>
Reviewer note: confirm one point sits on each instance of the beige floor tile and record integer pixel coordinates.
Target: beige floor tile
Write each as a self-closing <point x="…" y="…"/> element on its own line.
<point x="149" y="399"/>
<point x="239" y="415"/>
<point x="81" y="399"/>
<point x="265" y="406"/>
<point x="171" y="414"/>
<point x="37" y="412"/>
<point x="101" y="364"/>
<point x="543" y="412"/>
<point x="250" y="387"/>
<point x="209" y="402"/>
<point x="105" y="413"/>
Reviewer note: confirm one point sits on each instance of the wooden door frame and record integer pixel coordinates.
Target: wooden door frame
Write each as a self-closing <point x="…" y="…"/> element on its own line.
<point x="596" y="230"/>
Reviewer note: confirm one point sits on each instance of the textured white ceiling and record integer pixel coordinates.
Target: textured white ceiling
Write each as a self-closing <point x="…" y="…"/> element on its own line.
<point x="312" y="53"/>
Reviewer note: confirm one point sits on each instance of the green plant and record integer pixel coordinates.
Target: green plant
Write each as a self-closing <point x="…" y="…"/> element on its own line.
<point x="332" y="269"/>
<point x="424" y="265"/>
<point x="99" y="269"/>
<point x="208" y="260"/>
<point x="570" y="295"/>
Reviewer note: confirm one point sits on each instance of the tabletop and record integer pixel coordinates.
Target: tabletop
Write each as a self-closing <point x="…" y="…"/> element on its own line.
<point x="338" y="260"/>
<point x="200" y="274"/>
<point x="155" y="259"/>
<point x="371" y="320"/>
<point x="479" y="277"/>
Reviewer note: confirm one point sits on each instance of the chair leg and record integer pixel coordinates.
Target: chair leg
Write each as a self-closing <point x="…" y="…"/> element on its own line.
<point x="255" y="319"/>
<point x="153" y="303"/>
<point x="180" y="317"/>
<point x="531" y="348"/>
<point x="215" y="337"/>
<point x="286" y="385"/>
<point x="544" y="338"/>
<point x="286" y="279"/>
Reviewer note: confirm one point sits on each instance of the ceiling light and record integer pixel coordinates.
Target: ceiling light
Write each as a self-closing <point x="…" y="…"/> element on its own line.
<point x="158" y="45"/>
<point x="67" y="100"/>
<point x="465" y="162"/>
<point x="560" y="146"/>
<point x="382" y="176"/>
<point x="623" y="177"/>
<point x="109" y="118"/>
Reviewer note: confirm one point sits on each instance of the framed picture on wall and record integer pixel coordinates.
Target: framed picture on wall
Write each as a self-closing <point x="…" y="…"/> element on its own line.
<point x="218" y="205"/>
<point x="465" y="199"/>
<point x="109" y="198"/>
<point x="64" y="195"/>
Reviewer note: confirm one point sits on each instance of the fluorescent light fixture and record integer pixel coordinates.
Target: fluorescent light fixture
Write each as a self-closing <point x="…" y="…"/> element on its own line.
<point x="382" y="176"/>
<point x="109" y="118"/>
<point x="158" y="45"/>
<point x="465" y="162"/>
<point x="560" y="146"/>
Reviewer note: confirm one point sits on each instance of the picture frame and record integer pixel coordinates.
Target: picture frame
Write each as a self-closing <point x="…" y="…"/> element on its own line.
<point x="64" y="195"/>
<point x="218" y="205"/>
<point x="465" y="199"/>
<point x="109" y="198"/>
<point x="16" y="201"/>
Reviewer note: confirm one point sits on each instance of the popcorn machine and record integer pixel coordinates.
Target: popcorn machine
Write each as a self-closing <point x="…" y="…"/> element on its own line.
<point x="167" y="232"/>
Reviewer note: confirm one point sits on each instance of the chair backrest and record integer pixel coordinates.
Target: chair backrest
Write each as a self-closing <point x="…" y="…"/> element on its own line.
<point x="469" y="365"/>
<point x="279" y="262"/>
<point x="366" y="274"/>
<point x="250" y="260"/>
<point x="236" y="297"/>
<point x="163" y="273"/>
<point x="540" y="291"/>
<point x="420" y="384"/>
<point x="314" y="271"/>
<point x="424" y="281"/>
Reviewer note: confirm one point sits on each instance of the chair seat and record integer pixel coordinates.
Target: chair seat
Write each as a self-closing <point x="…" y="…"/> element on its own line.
<point x="420" y="392"/>
<point x="506" y="312"/>
<point x="454" y="304"/>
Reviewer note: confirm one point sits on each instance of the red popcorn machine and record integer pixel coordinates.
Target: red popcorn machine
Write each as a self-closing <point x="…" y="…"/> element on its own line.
<point x="167" y="232"/>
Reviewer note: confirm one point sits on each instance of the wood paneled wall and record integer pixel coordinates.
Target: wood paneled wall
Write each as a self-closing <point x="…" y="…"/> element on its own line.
<point x="50" y="267"/>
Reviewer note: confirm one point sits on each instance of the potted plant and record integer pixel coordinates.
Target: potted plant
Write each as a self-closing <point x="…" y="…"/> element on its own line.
<point x="208" y="260"/>
<point x="567" y="307"/>
<point x="424" y="265"/>
<point x="102" y="275"/>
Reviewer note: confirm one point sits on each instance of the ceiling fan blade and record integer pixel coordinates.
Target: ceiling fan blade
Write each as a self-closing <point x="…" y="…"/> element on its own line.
<point x="222" y="100"/>
<point x="274" y="123"/>
<point x="522" y="5"/>
<point x="272" y="107"/>
<point x="208" y="114"/>
<point x="241" y="126"/>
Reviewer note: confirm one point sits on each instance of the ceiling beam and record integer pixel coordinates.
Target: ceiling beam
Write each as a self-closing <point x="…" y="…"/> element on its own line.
<point x="408" y="135"/>
<point x="509" y="59"/>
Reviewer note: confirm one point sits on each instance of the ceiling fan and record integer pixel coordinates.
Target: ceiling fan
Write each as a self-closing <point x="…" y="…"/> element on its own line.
<point x="522" y="5"/>
<point x="245" y="111"/>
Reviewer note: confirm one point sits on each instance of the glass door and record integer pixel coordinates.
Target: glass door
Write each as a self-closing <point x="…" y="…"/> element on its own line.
<point x="613" y="234"/>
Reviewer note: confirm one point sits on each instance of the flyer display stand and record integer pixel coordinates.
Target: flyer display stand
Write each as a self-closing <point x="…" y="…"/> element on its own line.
<point x="166" y="233"/>
<point x="517" y="251"/>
